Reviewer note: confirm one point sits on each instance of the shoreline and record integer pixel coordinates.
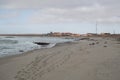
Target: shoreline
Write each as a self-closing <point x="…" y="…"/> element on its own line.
<point x="7" y="58"/>
<point x="25" y="44"/>
<point x="66" y="61"/>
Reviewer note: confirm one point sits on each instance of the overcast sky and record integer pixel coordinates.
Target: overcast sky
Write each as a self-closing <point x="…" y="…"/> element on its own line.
<point x="42" y="16"/>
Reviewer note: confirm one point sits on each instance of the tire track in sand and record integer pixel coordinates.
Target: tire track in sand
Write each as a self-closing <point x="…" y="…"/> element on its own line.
<point x="43" y="64"/>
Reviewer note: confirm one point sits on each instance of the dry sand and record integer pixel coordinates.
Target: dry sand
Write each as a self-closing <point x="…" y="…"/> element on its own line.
<point x="81" y="60"/>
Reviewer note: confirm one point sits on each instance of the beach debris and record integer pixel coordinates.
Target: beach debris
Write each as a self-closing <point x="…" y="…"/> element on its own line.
<point x="117" y="43"/>
<point x="92" y="44"/>
<point x="118" y="39"/>
<point x="105" y="46"/>
<point x="21" y="51"/>
<point x="41" y="43"/>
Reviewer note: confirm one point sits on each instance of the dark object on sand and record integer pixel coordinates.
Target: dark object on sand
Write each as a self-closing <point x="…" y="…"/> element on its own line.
<point x="118" y="39"/>
<point x="92" y="44"/>
<point x="105" y="46"/>
<point x="21" y="51"/>
<point x="41" y="43"/>
<point x="117" y="43"/>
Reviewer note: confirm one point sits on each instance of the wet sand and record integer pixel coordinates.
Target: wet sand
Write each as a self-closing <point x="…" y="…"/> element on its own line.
<point x="96" y="59"/>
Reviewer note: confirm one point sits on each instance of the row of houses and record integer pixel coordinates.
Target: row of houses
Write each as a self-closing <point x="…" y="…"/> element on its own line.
<point x="101" y="34"/>
<point x="63" y="34"/>
<point x="58" y="34"/>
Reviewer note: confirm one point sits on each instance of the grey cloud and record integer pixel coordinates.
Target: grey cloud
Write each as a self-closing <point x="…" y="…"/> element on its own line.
<point x="55" y="3"/>
<point x="67" y="10"/>
<point x="78" y="14"/>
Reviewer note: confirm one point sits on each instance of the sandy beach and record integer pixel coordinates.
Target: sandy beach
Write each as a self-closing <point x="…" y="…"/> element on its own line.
<point x="95" y="59"/>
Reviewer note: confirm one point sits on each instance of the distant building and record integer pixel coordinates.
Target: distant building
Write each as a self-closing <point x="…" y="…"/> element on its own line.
<point x="105" y="34"/>
<point x="75" y="35"/>
<point x="66" y="34"/>
<point x="91" y="34"/>
<point x="56" y="34"/>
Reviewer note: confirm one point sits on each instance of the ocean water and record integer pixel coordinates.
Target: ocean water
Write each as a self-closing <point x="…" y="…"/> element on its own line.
<point x="18" y="45"/>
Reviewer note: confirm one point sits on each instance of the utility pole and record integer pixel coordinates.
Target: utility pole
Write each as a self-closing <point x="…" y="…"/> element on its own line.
<point x="96" y="27"/>
<point x="113" y="31"/>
